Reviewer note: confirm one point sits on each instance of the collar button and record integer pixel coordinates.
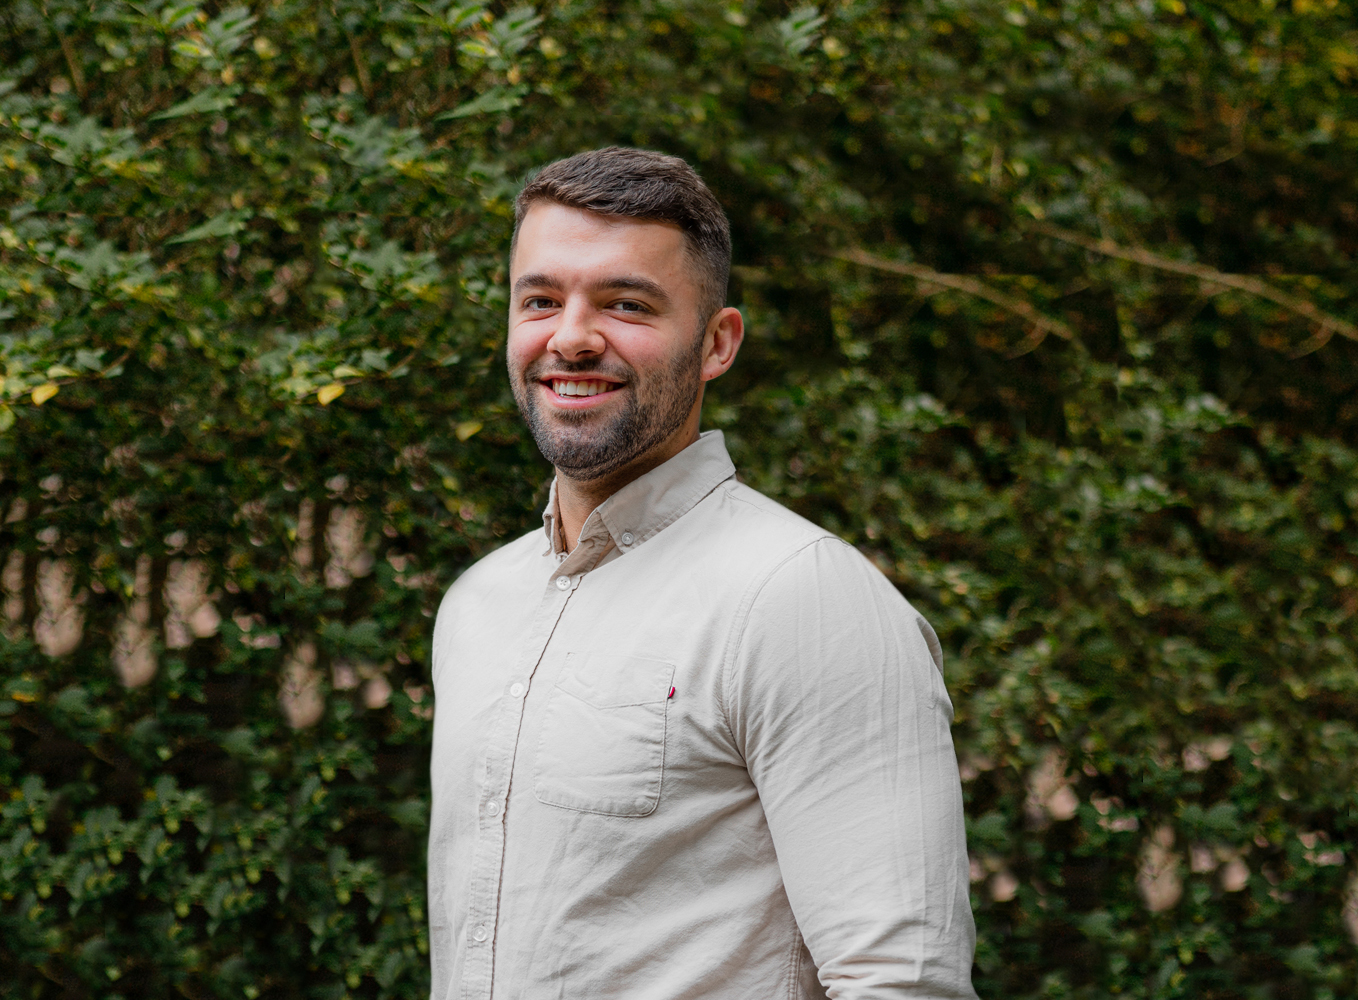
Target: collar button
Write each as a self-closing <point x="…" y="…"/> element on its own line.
<point x="627" y="538"/>
<point x="563" y="583"/>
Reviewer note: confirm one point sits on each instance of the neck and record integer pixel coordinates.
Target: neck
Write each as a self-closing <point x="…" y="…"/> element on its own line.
<point x="576" y="499"/>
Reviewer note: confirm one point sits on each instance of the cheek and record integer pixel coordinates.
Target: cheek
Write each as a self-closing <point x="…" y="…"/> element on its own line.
<point x="524" y="345"/>
<point x="645" y="349"/>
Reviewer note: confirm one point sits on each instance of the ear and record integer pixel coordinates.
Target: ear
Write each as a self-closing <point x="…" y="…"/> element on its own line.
<point x="722" y="339"/>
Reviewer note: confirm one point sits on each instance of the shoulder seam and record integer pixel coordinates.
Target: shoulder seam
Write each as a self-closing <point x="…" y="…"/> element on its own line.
<point x="786" y="515"/>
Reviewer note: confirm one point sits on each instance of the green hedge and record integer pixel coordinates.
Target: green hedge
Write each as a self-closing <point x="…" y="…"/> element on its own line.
<point x="1052" y="311"/>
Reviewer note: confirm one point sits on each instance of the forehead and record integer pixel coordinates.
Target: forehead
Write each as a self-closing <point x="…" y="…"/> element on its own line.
<point x="562" y="241"/>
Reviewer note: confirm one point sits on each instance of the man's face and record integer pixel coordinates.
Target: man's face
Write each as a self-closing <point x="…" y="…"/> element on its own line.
<point x="606" y="344"/>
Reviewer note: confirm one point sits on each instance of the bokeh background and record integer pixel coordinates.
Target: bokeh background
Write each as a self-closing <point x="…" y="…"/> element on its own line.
<point x="1052" y="313"/>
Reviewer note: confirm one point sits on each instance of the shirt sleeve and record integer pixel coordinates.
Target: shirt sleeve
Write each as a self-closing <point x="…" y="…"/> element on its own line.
<point x="835" y="697"/>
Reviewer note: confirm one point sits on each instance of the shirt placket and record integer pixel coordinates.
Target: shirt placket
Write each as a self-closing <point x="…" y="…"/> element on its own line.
<point x="502" y="747"/>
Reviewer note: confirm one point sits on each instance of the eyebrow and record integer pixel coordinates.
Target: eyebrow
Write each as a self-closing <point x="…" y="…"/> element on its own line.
<point x="621" y="282"/>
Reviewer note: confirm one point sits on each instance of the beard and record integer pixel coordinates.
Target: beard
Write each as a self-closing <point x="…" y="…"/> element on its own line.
<point x="584" y="445"/>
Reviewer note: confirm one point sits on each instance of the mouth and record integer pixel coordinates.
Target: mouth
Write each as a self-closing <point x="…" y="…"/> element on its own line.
<point x="579" y="391"/>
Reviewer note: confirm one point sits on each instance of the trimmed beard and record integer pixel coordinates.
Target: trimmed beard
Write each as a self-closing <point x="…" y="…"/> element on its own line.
<point x="584" y="449"/>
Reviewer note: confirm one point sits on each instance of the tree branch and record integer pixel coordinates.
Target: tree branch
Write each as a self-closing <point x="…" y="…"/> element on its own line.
<point x="1042" y="324"/>
<point x="72" y="58"/>
<point x="365" y="83"/>
<point x="1327" y="325"/>
<point x="73" y="62"/>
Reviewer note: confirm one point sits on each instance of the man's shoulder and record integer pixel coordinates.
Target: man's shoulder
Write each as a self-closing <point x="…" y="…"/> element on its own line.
<point x="782" y="540"/>
<point x="486" y="587"/>
<point x="766" y="523"/>
<point x="504" y="566"/>
<point x="751" y="536"/>
<point x="803" y="563"/>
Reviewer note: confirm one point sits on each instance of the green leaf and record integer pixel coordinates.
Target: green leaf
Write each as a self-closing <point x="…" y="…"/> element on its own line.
<point x="512" y="33"/>
<point x="227" y="223"/>
<point x="494" y="101"/>
<point x="228" y="31"/>
<point x="212" y="99"/>
<point x="798" y="31"/>
<point x="89" y="360"/>
<point x="460" y="16"/>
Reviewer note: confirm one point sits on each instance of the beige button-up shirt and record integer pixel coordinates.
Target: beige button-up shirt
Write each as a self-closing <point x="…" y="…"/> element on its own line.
<point x="704" y="755"/>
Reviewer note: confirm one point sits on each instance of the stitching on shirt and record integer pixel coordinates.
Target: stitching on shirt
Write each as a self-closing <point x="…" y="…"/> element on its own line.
<point x="783" y="514"/>
<point x="736" y="638"/>
<point x="794" y="986"/>
<point x="660" y="790"/>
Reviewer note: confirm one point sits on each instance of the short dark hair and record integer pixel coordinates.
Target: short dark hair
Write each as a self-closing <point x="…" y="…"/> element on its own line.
<point x="641" y="184"/>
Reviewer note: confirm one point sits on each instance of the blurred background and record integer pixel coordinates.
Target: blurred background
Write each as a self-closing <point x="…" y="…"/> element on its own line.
<point x="1052" y="312"/>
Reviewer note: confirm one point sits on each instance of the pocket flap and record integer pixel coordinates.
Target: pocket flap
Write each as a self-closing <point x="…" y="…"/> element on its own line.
<point x="610" y="680"/>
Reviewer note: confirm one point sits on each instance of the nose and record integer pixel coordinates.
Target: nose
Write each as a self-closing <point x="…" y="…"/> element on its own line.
<point x="576" y="335"/>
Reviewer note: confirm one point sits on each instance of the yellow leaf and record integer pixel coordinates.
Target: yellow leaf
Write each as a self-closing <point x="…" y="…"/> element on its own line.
<point x="44" y="392"/>
<point x="467" y="429"/>
<point x="347" y="371"/>
<point x="329" y="393"/>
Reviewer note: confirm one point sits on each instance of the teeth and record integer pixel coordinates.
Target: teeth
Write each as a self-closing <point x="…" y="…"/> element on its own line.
<point x="591" y="388"/>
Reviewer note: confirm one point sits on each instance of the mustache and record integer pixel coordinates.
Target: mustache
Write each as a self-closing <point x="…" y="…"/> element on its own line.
<point x="543" y="368"/>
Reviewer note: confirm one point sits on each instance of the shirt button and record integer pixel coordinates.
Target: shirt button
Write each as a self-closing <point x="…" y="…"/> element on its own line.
<point x="516" y="691"/>
<point x="563" y="583"/>
<point x="493" y="808"/>
<point x="480" y="934"/>
<point x="628" y="538"/>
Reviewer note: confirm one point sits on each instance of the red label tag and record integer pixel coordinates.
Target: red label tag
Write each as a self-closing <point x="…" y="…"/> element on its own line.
<point x="671" y="692"/>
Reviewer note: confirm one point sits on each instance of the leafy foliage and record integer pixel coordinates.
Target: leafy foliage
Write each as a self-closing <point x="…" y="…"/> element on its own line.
<point x="1052" y="312"/>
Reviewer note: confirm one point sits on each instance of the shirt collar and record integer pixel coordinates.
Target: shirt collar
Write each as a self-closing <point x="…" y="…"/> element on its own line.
<point x="649" y="503"/>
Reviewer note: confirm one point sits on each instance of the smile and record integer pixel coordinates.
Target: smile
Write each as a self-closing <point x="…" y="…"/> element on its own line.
<point x="585" y="387"/>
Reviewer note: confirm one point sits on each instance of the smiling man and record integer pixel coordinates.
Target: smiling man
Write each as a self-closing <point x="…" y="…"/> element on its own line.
<point x="687" y="744"/>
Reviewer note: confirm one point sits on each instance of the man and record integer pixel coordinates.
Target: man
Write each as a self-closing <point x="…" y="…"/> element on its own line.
<point x="687" y="744"/>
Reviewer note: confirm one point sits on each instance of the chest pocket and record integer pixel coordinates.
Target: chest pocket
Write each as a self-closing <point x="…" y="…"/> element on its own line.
<point x="602" y="745"/>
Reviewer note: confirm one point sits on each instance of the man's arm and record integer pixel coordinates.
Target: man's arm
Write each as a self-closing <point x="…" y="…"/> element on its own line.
<point x="836" y="699"/>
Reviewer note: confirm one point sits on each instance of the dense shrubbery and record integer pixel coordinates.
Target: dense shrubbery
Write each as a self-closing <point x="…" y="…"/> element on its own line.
<point x="1052" y="310"/>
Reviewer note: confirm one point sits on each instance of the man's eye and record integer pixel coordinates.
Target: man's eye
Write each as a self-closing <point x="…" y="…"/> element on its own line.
<point x="628" y="305"/>
<point x="539" y="302"/>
